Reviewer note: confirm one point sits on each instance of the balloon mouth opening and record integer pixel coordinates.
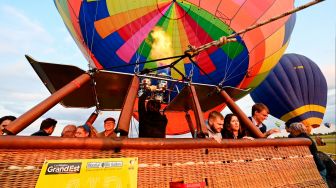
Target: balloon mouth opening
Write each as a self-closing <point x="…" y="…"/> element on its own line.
<point x="315" y="125"/>
<point x="162" y="8"/>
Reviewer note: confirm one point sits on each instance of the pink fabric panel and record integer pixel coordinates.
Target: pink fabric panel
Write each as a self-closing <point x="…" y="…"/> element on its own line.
<point x="126" y="51"/>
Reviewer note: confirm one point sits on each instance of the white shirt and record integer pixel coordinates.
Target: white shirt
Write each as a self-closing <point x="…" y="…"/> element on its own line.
<point x="255" y="122"/>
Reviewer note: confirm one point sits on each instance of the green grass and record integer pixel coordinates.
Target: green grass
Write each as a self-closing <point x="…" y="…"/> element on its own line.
<point x="330" y="146"/>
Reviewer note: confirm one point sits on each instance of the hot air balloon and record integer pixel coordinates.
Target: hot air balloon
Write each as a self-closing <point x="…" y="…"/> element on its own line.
<point x="120" y="35"/>
<point x="295" y="91"/>
<point x="327" y="125"/>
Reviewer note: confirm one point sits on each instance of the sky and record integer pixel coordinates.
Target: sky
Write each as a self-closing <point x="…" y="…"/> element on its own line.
<point x="38" y="30"/>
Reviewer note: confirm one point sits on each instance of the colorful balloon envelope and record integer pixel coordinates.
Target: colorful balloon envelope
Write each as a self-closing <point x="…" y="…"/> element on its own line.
<point x="115" y="34"/>
<point x="295" y="91"/>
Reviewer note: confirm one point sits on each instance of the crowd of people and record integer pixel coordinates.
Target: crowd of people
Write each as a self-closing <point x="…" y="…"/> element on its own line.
<point x="152" y="124"/>
<point x="48" y="125"/>
<point x="230" y="127"/>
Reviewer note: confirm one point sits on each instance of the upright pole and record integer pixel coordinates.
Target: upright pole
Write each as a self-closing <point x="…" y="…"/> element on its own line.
<point x="127" y="110"/>
<point x="191" y="127"/>
<point x="201" y="128"/>
<point x="30" y="116"/>
<point x="90" y="121"/>
<point x="241" y="115"/>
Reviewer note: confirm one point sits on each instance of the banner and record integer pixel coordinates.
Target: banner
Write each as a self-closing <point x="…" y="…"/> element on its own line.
<point x="89" y="173"/>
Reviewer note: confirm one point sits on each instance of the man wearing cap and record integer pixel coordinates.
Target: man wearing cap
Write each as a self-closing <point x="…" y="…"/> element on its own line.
<point x="109" y="124"/>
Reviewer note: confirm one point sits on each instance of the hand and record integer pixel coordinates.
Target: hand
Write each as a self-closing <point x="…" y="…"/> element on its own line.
<point x="248" y="137"/>
<point x="272" y="131"/>
<point x="219" y="140"/>
<point x="152" y="88"/>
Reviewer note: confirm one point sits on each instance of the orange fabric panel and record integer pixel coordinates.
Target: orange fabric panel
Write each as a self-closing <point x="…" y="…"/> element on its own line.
<point x="257" y="44"/>
<point x="276" y="41"/>
<point x="278" y="8"/>
<point x="249" y="14"/>
<point x="210" y="5"/>
<point x="110" y="24"/>
<point x="177" y="123"/>
<point x="228" y="8"/>
<point x="195" y="2"/>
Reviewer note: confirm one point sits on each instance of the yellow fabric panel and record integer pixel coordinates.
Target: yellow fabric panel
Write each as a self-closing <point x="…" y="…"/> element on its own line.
<point x="313" y="121"/>
<point x="268" y="65"/>
<point x="301" y="110"/>
<point x="66" y="19"/>
<point x="116" y="7"/>
<point x="272" y="43"/>
<point x="299" y="67"/>
<point x="110" y="24"/>
<point x="173" y="30"/>
<point x="68" y="23"/>
<point x="183" y="43"/>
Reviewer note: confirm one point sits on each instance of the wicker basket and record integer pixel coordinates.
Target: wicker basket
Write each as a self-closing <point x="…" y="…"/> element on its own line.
<point x="232" y="163"/>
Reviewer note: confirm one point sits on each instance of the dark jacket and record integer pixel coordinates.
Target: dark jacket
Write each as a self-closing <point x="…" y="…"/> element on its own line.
<point x="229" y="135"/>
<point x="40" y="133"/>
<point x="263" y="127"/>
<point x="313" y="150"/>
<point x="151" y="124"/>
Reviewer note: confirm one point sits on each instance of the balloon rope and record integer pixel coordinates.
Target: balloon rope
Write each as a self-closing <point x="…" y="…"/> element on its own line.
<point x="196" y="50"/>
<point x="93" y="29"/>
<point x="144" y="62"/>
<point x="231" y="38"/>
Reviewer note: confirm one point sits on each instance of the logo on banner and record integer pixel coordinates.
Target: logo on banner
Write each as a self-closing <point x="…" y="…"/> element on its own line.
<point x="63" y="168"/>
<point x="104" y="165"/>
<point x="93" y="173"/>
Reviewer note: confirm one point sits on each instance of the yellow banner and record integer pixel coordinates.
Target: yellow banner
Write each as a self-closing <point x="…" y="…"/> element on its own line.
<point x="89" y="173"/>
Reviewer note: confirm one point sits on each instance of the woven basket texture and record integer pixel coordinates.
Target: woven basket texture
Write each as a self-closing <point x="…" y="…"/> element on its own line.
<point x="271" y="166"/>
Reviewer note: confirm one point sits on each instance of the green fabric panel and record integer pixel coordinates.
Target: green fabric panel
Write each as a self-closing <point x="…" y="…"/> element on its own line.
<point x="64" y="5"/>
<point x="233" y="49"/>
<point x="145" y="49"/>
<point x="207" y="21"/>
<point x="215" y="28"/>
<point x="163" y="22"/>
<point x="150" y="65"/>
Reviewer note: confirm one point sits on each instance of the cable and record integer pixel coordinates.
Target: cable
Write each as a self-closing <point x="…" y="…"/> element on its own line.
<point x="227" y="76"/>
<point x="144" y="62"/>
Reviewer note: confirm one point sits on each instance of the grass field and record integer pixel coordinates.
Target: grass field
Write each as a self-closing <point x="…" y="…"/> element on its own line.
<point x="330" y="146"/>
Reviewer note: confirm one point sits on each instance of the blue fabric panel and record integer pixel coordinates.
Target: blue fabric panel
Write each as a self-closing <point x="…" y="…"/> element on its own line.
<point x="289" y="28"/>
